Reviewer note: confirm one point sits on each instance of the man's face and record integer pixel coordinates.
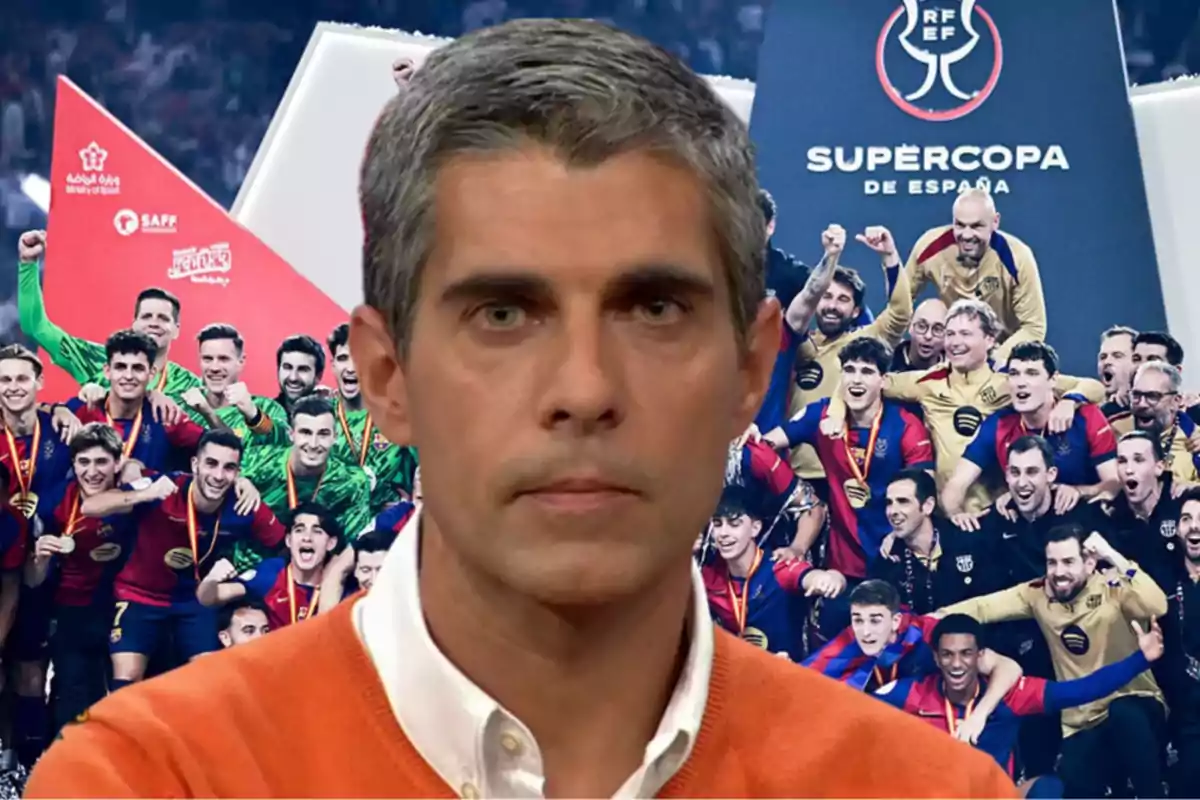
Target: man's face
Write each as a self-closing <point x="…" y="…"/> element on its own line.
<point x="573" y="377"/>
<point x="1115" y="362"/>
<point x="1029" y="480"/>
<point x="958" y="659"/>
<point x="308" y="542"/>
<point x="928" y="330"/>
<point x="836" y="310"/>
<point x="862" y="383"/>
<point x="95" y="470"/>
<point x="129" y="374"/>
<point x="367" y="566"/>
<point x="312" y="438"/>
<point x="1138" y="469"/>
<point x="216" y="468"/>
<point x="973" y="228"/>
<point x="905" y="513"/>
<point x="1030" y="386"/>
<point x="220" y="364"/>
<point x="734" y="535"/>
<point x="344" y="372"/>
<point x="966" y="345"/>
<point x="297" y="374"/>
<point x="1067" y="569"/>
<point x="1148" y="351"/>
<point x="874" y="627"/>
<point x="156" y="319"/>
<point x="1189" y="530"/>
<point x="247" y="625"/>
<point x="19" y="385"/>
<point x="1152" y="400"/>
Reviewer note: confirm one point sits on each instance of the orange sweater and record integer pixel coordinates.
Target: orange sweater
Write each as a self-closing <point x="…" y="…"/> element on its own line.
<point x="302" y="713"/>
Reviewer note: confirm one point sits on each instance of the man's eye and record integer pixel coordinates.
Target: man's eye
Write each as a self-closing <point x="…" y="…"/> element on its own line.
<point x="501" y="317"/>
<point x="661" y="311"/>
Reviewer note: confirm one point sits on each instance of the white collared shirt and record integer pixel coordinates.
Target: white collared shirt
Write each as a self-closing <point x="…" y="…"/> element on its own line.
<point x="476" y="746"/>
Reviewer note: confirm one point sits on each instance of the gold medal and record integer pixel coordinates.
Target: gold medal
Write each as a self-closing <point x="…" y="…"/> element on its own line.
<point x="858" y="494"/>
<point x="24" y="500"/>
<point x="755" y="637"/>
<point x="68" y="545"/>
<point x="26" y="503"/>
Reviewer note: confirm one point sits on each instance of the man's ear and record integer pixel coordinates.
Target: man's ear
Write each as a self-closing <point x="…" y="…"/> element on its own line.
<point x="381" y="377"/>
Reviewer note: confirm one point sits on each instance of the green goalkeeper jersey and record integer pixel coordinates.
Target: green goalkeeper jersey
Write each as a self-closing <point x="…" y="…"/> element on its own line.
<point x="272" y="428"/>
<point x="389" y="467"/>
<point x="83" y="360"/>
<point x="342" y="489"/>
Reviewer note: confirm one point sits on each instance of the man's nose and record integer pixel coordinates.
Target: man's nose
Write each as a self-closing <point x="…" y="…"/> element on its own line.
<point x="583" y="376"/>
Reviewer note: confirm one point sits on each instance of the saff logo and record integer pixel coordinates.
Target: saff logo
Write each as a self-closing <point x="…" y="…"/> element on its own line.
<point x="935" y="51"/>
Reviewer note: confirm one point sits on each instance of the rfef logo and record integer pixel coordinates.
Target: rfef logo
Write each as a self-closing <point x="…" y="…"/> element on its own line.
<point x="946" y="54"/>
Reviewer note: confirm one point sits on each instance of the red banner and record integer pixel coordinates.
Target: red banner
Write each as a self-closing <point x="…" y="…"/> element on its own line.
<point x="123" y="219"/>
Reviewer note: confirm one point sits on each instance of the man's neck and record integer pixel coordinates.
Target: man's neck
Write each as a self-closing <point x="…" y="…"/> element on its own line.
<point x="306" y="577"/>
<point x="971" y="369"/>
<point x="216" y="399"/>
<point x="1042" y="510"/>
<point x="352" y="403"/>
<point x="1145" y="507"/>
<point x="1036" y="420"/>
<point x="202" y="503"/>
<point x="962" y="696"/>
<point x="866" y="417"/>
<point x="160" y="363"/>
<point x="21" y="423"/>
<point x="1193" y="569"/>
<point x="123" y="409"/>
<point x="740" y="567"/>
<point x="922" y="541"/>
<point x="590" y="681"/>
<point x="301" y="470"/>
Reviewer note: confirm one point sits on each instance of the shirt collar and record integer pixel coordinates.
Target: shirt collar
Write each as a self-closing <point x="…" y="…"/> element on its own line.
<point x="456" y="726"/>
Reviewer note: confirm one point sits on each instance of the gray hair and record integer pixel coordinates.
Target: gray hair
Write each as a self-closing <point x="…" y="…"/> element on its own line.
<point x="979" y="311"/>
<point x="587" y="90"/>
<point x="1174" y="376"/>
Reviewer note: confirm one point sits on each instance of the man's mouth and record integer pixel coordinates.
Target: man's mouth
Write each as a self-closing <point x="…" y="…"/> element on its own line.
<point x="1107" y="374"/>
<point x="92" y="480"/>
<point x="856" y="391"/>
<point x="582" y="493"/>
<point x="1062" y="581"/>
<point x="956" y="675"/>
<point x="216" y="487"/>
<point x="306" y="551"/>
<point x="1193" y="539"/>
<point x="1131" y="485"/>
<point x="1022" y="395"/>
<point x="1023" y="492"/>
<point x="959" y="351"/>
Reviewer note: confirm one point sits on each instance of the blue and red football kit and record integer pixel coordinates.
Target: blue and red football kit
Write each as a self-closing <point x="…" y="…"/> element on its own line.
<point x="156" y="587"/>
<point x="923" y="697"/>
<point x="394" y="518"/>
<point x="286" y="601"/>
<point x="909" y="655"/>
<point x="766" y="608"/>
<point x="154" y="444"/>
<point x="1078" y="451"/>
<point x="900" y="442"/>
<point x="774" y="410"/>
<point x="769" y="483"/>
<point x="53" y="463"/>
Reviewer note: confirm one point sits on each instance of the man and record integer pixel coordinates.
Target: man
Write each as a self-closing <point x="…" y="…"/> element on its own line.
<point x="242" y="621"/>
<point x="1114" y="365"/>
<point x="155" y="313"/>
<point x="35" y="449"/>
<point x="571" y="370"/>
<point x="818" y="367"/>
<point x="181" y="522"/>
<point x="289" y="587"/>
<point x="947" y="697"/>
<point x="223" y="400"/>
<point x="1085" y="616"/>
<point x="794" y="515"/>
<point x="925" y="347"/>
<point x="354" y="568"/>
<point x="22" y="638"/>
<point x="389" y="467"/>
<point x="1083" y="454"/>
<point x="303" y="472"/>
<point x="1157" y="346"/>
<point x="1155" y="405"/>
<point x="972" y="259"/>
<point x="126" y="406"/>
<point x="956" y="397"/>
<point x="931" y="562"/>
<point x="78" y="557"/>
<point x="761" y="603"/>
<point x="1179" y="673"/>
<point x="880" y="439"/>
<point x="299" y="365"/>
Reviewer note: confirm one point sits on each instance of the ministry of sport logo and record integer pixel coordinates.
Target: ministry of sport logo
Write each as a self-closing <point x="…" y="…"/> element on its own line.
<point x="939" y="60"/>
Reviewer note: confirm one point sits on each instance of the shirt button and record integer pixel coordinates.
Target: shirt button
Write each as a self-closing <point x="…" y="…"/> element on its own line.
<point x="469" y="792"/>
<point x="511" y="744"/>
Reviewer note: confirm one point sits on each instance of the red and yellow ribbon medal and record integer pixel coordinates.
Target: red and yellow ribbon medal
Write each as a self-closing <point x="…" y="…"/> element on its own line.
<point x="952" y="720"/>
<point x="135" y="429"/>
<point x="881" y="680"/>
<point x="161" y="383"/>
<point x="741" y="604"/>
<point x="194" y="532"/>
<point x="68" y="536"/>
<point x="368" y="430"/>
<point x="308" y="610"/>
<point x="858" y="491"/>
<point x="293" y="500"/>
<point x="25" y="500"/>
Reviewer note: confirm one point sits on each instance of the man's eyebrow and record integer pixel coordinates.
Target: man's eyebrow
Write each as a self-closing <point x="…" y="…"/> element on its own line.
<point x="665" y="278"/>
<point x="660" y="277"/>
<point x="494" y="284"/>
